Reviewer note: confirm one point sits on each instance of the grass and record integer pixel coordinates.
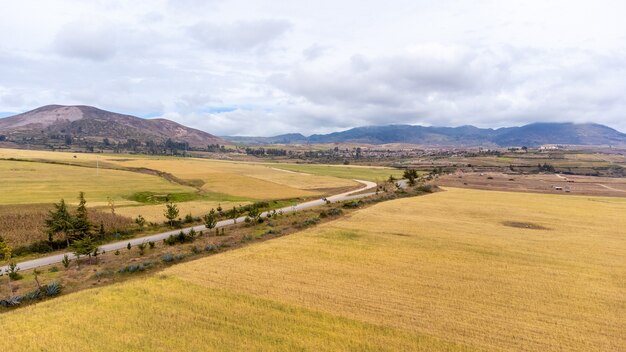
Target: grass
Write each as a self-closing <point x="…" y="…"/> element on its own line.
<point x="367" y="173"/>
<point x="400" y="275"/>
<point x="249" y="180"/>
<point x="154" y="213"/>
<point x="32" y="182"/>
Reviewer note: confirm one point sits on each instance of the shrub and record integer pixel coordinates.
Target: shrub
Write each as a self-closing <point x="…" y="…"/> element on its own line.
<point x="167" y="258"/>
<point x="353" y="204"/>
<point x="311" y="222"/>
<point x="210" y="248"/>
<point x="334" y="212"/>
<point x="54" y="269"/>
<point x="117" y="252"/>
<point x="425" y="188"/>
<point x="53" y="289"/>
<point x="66" y="261"/>
<point x="323" y="215"/>
<point x="151" y="244"/>
<point x="12" y="271"/>
<point x="142" y="248"/>
<point x="132" y="268"/>
<point x="195" y="250"/>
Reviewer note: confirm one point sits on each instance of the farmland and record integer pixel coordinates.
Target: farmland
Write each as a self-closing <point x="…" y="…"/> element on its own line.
<point x="139" y="185"/>
<point x="509" y="271"/>
<point x="35" y="182"/>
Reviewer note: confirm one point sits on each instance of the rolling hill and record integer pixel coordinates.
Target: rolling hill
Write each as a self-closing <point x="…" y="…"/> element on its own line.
<point x="87" y="123"/>
<point x="529" y="135"/>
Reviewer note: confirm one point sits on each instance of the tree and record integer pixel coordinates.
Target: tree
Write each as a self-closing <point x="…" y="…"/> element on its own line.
<point x="36" y="274"/>
<point x="84" y="246"/>
<point x="82" y="225"/>
<point x="411" y="175"/>
<point x="66" y="261"/>
<point x="60" y="221"/>
<point x="233" y="214"/>
<point x="210" y="219"/>
<point x="140" y="221"/>
<point x="171" y="212"/>
<point x="6" y="251"/>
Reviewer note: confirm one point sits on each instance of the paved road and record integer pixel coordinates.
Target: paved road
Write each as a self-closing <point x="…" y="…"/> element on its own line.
<point x="53" y="259"/>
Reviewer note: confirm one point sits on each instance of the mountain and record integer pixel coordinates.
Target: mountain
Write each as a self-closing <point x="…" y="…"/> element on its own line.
<point x="529" y="135"/>
<point x="290" y="138"/>
<point x="87" y="123"/>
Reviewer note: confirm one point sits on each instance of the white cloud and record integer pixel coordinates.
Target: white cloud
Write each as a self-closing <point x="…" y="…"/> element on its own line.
<point x="244" y="67"/>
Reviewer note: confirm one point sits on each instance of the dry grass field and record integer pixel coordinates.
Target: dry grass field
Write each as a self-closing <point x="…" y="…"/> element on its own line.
<point x="456" y="270"/>
<point x="251" y="180"/>
<point x="259" y="181"/>
<point x="542" y="183"/>
<point x="154" y="213"/>
<point x="32" y="182"/>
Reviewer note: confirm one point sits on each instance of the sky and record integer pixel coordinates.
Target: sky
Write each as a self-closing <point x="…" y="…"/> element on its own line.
<point x="262" y="68"/>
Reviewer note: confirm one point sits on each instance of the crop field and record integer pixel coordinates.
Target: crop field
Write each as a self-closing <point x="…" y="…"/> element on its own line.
<point x="251" y="180"/>
<point x="21" y="224"/>
<point x="508" y="271"/>
<point x="32" y="182"/>
<point x="154" y="212"/>
<point x="242" y="180"/>
<point x="367" y="173"/>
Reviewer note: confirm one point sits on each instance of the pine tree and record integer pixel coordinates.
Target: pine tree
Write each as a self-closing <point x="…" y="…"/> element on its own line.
<point x="82" y="225"/>
<point x="60" y="221"/>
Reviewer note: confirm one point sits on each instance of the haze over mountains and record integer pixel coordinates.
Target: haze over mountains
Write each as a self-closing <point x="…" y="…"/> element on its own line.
<point x="86" y="123"/>
<point x="90" y="123"/>
<point x="529" y="135"/>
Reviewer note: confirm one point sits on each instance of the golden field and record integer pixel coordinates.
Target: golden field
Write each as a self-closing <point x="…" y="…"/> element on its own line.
<point x="154" y="213"/>
<point x="455" y="270"/>
<point x="32" y="182"/>
<point x="251" y="180"/>
<point x="260" y="181"/>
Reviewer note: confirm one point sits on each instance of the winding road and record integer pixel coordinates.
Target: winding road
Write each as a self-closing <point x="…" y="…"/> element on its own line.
<point x="57" y="258"/>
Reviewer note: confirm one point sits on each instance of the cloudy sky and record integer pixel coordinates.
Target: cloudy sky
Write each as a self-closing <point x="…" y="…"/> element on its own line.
<point x="270" y="67"/>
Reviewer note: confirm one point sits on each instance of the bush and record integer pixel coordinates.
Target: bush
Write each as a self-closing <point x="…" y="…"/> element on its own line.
<point x="210" y="248"/>
<point x="195" y="250"/>
<point x="311" y="222"/>
<point x="425" y="188"/>
<point x="66" y="261"/>
<point x="53" y="289"/>
<point x="353" y="204"/>
<point x="12" y="271"/>
<point x="167" y="258"/>
<point x="54" y="269"/>
<point x="181" y="237"/>
<point x="132" y="268"/>
<point x="334" y="212"/>
<point x="151" y="244"/>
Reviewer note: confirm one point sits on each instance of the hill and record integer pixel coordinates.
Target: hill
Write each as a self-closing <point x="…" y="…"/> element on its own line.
<point x="386" y="278"/>
<point x="529" y="135"/>
<point x="84" y="124"/>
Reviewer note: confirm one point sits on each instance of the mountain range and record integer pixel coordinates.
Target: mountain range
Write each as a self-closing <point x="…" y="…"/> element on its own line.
<point x="530" y="135"/>
<point x="88" y="124"/>
<point x="92" y="124"/>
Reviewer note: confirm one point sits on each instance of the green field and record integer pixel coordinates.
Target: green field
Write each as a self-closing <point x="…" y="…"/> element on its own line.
<point x="33" y="182"/>
<point x="343" y="171"/>
<point x="508" y="271"/>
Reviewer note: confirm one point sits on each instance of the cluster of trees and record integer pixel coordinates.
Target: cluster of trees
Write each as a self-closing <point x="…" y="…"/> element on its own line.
<point x="269" y="151"/>
<point x="76" y="228"/>
<point x="545" y="167"/>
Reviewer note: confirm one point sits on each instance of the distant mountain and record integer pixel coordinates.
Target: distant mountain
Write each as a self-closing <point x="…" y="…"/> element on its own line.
<point x="529" y="135"/>
<point x="290" y="138"/>
<point x="88" y="123"/>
